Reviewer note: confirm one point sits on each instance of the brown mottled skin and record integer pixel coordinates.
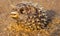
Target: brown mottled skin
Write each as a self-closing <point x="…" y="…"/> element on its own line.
<point x="31" y="16"/>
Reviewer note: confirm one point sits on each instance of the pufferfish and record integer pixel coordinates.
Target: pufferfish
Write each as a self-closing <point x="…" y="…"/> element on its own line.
<point x="31" y="16"/>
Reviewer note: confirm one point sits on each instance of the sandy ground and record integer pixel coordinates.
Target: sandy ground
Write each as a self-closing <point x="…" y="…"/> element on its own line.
<point x="5" y="20"/>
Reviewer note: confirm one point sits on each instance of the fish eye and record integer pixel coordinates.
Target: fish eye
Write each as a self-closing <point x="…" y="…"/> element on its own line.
<point x="21" y="11"/>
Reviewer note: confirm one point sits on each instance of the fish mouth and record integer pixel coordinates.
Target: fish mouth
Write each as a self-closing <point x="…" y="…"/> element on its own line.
<point x="14" y="14"/>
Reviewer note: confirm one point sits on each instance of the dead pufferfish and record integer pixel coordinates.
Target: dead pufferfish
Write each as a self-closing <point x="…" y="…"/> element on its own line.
<point x="30" y="15"/>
